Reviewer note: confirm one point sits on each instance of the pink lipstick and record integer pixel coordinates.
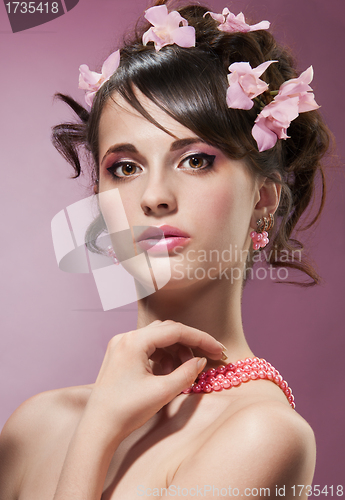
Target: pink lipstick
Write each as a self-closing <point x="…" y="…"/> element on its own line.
<point x="162" y="238"/>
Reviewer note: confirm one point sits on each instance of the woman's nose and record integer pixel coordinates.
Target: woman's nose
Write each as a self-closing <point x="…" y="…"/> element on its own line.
<point x="158" y="197"/>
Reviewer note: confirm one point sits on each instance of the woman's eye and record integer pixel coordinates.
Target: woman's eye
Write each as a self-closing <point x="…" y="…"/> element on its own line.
<point x="124" y="169"/>
<point x="199" y="161"/>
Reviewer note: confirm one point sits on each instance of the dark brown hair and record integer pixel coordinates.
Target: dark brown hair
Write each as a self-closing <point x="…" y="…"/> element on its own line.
<point x="190" y="85"/>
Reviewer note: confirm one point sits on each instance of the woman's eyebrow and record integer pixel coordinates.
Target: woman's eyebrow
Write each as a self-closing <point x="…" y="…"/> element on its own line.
<point x="120" y="147"/>
<point x="181" y="143"/>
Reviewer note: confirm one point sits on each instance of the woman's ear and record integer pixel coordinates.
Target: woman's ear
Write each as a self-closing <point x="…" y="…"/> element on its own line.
<point x="95" y="188"/>
<point x="268" y="196"/>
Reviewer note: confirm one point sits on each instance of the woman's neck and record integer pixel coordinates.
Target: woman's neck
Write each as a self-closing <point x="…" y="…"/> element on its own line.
<point x="213" y="309"/>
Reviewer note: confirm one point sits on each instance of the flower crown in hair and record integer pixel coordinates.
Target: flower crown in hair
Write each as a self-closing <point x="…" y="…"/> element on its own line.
<point x="293" y="97"/>
<point x="92" y="81"/>
<point x="231" y="23"/>
<point x="166" y="29"/>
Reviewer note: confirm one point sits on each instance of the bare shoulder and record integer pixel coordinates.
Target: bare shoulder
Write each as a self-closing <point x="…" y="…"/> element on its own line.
<point x="274" y="418"/>
<point x="267" y="444"/>
<point x="281" y="437"/>
<point x="35" y="422"/>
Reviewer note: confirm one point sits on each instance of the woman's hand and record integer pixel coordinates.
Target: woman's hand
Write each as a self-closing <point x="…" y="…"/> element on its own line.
<point x="127" y="394"/>
<point x="128" y="391"/>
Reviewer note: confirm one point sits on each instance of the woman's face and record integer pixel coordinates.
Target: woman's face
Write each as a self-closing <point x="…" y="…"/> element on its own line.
<point x="176" y="180"/>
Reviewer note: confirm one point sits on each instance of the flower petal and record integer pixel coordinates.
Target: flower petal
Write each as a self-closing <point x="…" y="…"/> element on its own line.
<point x="307" y="103"/>
<point x="259" y="70"/>
<point x="159" y="42"/>
<point x="264" y="25"/>
<point x="89" y="96"/>
<point x="110" y="65"/>
<point x="296" y="85"/>
<point x="252" y="85"/>
<point x="217" y="17"/>
<point x="184" y="36"/>
<point x="157" y="15"/>
<point x="173" y="21"/>
<point x="264" y="137"/>
<point x="147" y="36"/>
<point x="236" y="98"/>
<point x="240" y="67"/>
<point x="87" y="78"/>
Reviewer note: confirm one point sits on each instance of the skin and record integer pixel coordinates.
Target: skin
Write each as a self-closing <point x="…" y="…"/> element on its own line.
<point x="132" y="431"/>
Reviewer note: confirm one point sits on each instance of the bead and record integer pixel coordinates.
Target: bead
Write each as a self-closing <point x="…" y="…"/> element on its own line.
<point x="230" y="366"/>
<point x="196" y="388"/>
<point x="187" y="391"/>
<point x="234" y="374"/>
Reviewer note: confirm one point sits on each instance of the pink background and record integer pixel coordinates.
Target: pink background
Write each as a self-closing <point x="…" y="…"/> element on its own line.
<point x="53" y="330"/>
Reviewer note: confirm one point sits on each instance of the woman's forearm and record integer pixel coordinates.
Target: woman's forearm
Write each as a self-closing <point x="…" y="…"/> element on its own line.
<point x="88" y="457"/>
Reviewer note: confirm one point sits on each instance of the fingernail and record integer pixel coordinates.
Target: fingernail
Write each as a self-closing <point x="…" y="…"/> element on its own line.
<point x="201" y="363"/>
<point x="223" y="346"/>
<point x="224" y="356"/>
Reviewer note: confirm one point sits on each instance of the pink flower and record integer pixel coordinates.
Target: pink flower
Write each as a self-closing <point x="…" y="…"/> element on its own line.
<point x="294" y="97"/>
<point x="166" y="28"/>
<point x="244" y="84"/>
<point x="231" y="23"/>
<point x="92" y="81"/>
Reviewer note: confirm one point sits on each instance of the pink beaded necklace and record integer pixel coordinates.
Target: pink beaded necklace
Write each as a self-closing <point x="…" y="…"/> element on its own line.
<point x="233" y="374"/>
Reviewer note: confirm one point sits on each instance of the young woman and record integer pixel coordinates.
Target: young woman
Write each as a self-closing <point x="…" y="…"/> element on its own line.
<point x="188" y="123"/>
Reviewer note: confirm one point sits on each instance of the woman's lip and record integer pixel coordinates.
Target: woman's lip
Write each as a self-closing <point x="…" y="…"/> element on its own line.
<point x="163" y="245"/>
<point x="157" y="232"/>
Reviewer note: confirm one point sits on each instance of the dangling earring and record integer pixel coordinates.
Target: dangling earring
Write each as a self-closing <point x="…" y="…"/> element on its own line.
<point x="111" y="253"/>
<point x="260" y="236"/>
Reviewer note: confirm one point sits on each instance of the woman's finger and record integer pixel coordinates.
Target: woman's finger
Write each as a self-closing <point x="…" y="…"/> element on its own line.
<point x="182" y="377"/>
